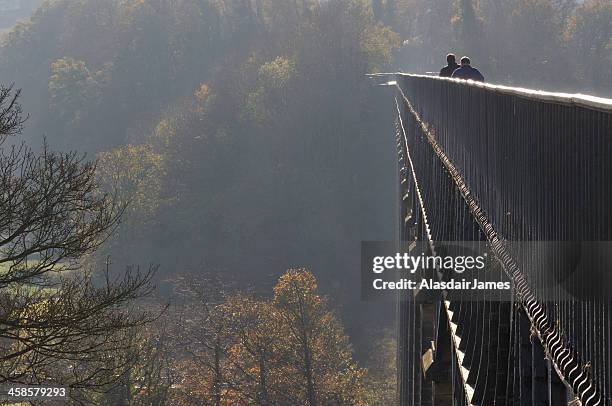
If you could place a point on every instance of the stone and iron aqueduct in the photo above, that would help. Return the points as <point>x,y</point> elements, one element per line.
<point>478,162</point>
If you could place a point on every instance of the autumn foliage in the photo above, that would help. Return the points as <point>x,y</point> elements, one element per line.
<point>287,350</point>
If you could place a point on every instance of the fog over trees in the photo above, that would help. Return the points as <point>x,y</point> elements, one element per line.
<point>228,141</point>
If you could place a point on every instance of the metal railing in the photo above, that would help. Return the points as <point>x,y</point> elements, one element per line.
<point>494,163</point>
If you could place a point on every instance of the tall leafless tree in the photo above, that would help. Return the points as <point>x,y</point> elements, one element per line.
<point>59,323</point>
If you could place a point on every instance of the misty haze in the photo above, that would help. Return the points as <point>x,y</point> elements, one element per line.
<point>186,184</point>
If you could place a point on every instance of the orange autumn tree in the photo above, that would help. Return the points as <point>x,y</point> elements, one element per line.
<point>285,351</point>
<point>315,353</point>
<point>254,358</point>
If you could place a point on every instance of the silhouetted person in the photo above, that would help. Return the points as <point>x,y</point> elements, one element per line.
<point>447,71</point>
<point>466,71</point>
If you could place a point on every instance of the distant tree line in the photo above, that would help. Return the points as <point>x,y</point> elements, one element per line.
<point>61,324</point>
<point>557,45</point>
